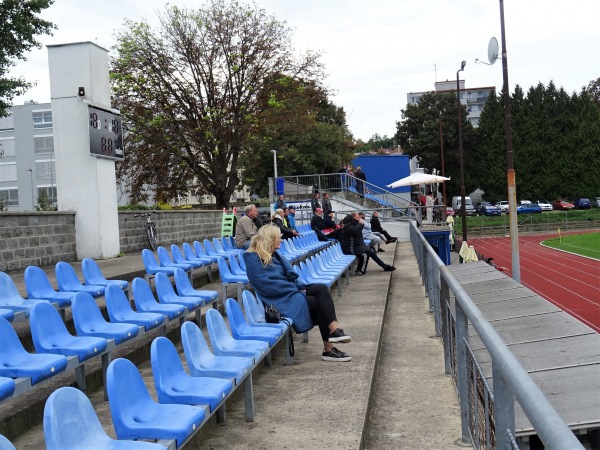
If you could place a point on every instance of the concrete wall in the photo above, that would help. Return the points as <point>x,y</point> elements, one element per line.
<point>44,238</point>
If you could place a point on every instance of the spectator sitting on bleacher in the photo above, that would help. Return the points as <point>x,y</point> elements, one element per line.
<point>330,228</point>
<point>316,224</point>
<point>368,234</point>
<point>278,220</point>
<point>246,228</point>
<point>352,242</point>
<point>291,217</point>
<point>376,228</point>
<point>276,283</point>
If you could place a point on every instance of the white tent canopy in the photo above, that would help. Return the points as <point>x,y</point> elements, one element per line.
<point>418,178</point>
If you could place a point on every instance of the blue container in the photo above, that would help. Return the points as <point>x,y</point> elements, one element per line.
<point>279,184</point>
<point>440,241</point>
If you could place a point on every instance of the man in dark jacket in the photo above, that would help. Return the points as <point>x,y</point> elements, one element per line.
<point>361,178</point>
<point>316,224</point>
<point>377,228</point>
<point>314,203</point>
<point>352,242</point>
<point>326,203</point>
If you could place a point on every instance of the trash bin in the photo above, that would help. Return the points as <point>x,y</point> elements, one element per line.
<point>440,241</point>
<point>279,186</point>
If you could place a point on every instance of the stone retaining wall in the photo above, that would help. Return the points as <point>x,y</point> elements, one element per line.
<point>44,238</point>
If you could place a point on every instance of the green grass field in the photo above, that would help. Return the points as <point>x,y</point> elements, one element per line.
<point>581,244</point>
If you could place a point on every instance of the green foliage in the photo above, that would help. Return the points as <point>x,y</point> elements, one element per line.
<point>376,143</point>
<point>135,207</point>
<point>19,25</point>
<point>44,203</point>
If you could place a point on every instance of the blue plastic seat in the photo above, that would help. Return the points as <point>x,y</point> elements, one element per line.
<point>38,287</point>
<point>15,362</point>
<point>93,275</point>
<point>235,268</point>
<point>67,281</point>
<point>218,246</point>
<point>178,258</point>
<point>242,262</point>
<point>136,415</point>
<point>227,276</point>
<point>211,251</point>
<point>7,387</point>
<point>174,385</point>
<point>202,362</point>
<point>255,314</point>
<point>165,260</point>
<point>120,311</point>
<point>89,321</point>
<point>7,314</point>
<point>167,295</point>
<point>145,301</point>
<point>10,297</point>
<point>185,288</point>
<point>70,423</point>
<point>229,246</point>
<point>50,335</point>
<point>242,331</point>
<point>201,252</point>
<point>301,276</point>
<point>5,444</point>
<point>190,255</point>
<point>224,345</point>
<point>151,266</point>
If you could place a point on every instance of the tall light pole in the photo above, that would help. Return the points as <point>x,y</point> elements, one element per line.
<point>32,189</point>
<point>510,171</point>
<point>463,209</point>
<point>275,170</point>
<point>442,158</point>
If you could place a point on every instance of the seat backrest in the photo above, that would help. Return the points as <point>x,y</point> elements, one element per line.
<point>46,326</point>
<point>235,315</point>
<point>86,313</point>
<point>117,303</point>
<point>11,348</point>
<point>177,255</point>
<point>188,251</point>
<point>163,256</point>
<point>127,394</point>
<point>71,422</point>
<point>200,251</point>
<point>242,262</point>
<point>166,365</point>
<point>195,348</point>
<point>235,266</point>
<point>217,243</point>
<point>149,260</point>
<point>209,248</point>
<point>226,243</point>
<point>253,313</point>
<point>224,270</point>
<point>92,273</point>
<point>142,294</point>
<point>164,288</point>
<point>66,278</point>
<point>183,283</point>
<point>8,289</point>
<point>37,284</point>
<point>217,329</point>
<point>5,444</point>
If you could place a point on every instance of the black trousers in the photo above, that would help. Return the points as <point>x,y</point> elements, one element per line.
<point>321,308</point>
<point>386,234</point>
<point>362,250</point>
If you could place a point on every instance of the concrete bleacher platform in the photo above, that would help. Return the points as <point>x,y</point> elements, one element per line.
<point>314,403</point>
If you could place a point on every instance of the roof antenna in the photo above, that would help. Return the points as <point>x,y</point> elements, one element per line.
<point>435,70</point>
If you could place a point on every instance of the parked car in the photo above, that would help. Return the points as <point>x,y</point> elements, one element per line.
<point>545,205</point>
<point>529,208</point>
<point>503,206</point>
<point>456,203</point>
<point>582,203</point>
<point>563,205</point>
<point>597,202</point>
<point>487,209</point>
<point>524,202</point>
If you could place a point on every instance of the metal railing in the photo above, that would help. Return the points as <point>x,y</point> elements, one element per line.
<point>485,412</point>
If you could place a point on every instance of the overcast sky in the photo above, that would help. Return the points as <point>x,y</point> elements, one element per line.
<point>377,51</point>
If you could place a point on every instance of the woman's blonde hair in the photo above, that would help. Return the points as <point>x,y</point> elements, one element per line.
<point>278,212</point>
<point>264,243</point>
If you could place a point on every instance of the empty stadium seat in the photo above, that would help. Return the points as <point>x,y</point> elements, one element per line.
<point>151,266</point>
<point>70,423</point>
<point>165,260</point>
<point>235,267</point>
<point>67,281</point>
<point>255,314</point>
<point>89,321</point>
<point>15,362</point>
<point>10,297</point>
<point>38,287</point>
<point>202,362</point>
<point>201,252</point>
<point>136,415</point>
<point>178,258</point>
<point>120,311</point>
<point>167,295</point>
<point>145,301</point>
<point>7,387</point>
<point>185,288</point>
<point>228,278</point>
<point>174,385</point>
<point>7,314</point>
<point>93,275</point>
<point>50,335</point>
<point>242,331</point>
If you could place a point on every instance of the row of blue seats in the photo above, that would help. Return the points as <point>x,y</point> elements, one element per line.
<point>302,246</point>
<point>50,335</point>
<point>185,401</point>
<point>327,267</point>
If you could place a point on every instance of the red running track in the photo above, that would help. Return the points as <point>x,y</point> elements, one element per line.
<point>569,281</point>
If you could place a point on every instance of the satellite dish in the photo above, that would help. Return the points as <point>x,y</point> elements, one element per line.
<point>493,50</point>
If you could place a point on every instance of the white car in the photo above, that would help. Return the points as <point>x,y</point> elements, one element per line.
<point>545,205</point>
<point>503,206</point>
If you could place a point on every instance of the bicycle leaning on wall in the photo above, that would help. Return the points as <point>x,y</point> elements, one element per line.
<point>150,229</point>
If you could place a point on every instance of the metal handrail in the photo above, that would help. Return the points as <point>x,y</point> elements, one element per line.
<point>511,380</point>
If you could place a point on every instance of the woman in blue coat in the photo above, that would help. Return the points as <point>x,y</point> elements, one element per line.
<point>276,283</point>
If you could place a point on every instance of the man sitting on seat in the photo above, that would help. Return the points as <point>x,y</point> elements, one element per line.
<point>377,228</point>
<point>278,219</point>
<point>368,235</point>
<point>246,228</point>
<point>316,224</point>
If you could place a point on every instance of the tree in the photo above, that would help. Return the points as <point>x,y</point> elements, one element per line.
<point>419,135</point>
<point>19,26</point>
<point>376,142</point>
<point>193,95</point>
<point>593,88</point>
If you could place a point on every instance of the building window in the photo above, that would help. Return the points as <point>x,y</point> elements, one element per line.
<point>44,170</point>
<point>49,191</point>
<point>7,147</point>
<point>9,197</point>
<point>8,172</point>
<point>7,123</point>
<point>43,144</point>
<point>42,119</point>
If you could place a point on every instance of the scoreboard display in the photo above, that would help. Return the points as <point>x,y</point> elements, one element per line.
<point>106,133</point>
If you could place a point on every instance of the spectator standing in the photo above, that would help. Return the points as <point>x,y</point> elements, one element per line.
<point>429,207</point>
<point>246,228</point>
<point>314,203</point>
<point>377,228</point>
<point>360,183</point>
<point>279,203</point>
<point>276,283</point>
<point>326,203</point>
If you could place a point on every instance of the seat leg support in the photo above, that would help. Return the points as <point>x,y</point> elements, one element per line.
<point>199,317</point>
<point>106,359</point>
<point>305,337</point>
<point>209,273</point>
<point>268,359</point>
<point>289,359</point>
<point>221,414</point>
<point>249,398</point>
<point>80,378</point>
